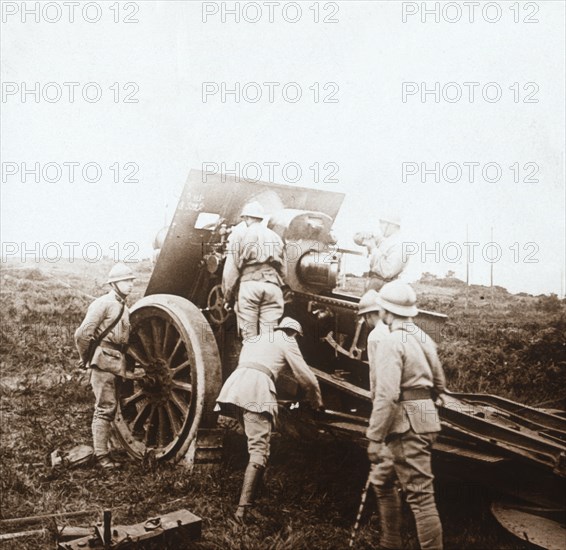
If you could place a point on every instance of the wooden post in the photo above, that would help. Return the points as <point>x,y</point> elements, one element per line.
<point>107,523</point>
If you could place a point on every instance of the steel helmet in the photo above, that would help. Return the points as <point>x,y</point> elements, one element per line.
<point>253,210</point>
<point>288,323</point>
<point>392,218</point>
<point>398,298</point>
<point>120,272</point>
<point>369,302</point>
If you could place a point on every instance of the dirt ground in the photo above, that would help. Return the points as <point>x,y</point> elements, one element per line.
<point>312,488</point>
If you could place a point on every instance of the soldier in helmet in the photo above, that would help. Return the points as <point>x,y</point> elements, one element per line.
<point>369,309</point>
<point>385,249</point>
<point>255,262</point>
<point>101,341</point>
<point>404,422</point>
<point>249,394</point>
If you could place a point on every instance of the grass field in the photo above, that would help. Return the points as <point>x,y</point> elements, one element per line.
<point>512,345</point>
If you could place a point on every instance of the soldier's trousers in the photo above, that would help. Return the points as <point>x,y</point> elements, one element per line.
<point>257,427</point>
<point>260,305</point>
<point>407,458</point>
<point>105,406</point>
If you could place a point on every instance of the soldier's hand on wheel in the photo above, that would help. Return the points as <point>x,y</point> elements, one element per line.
<point>137,374</point>
<point>374,450</point>
<point>227,306</point>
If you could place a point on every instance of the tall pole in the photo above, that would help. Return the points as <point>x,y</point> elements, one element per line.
<point>491,264</point>
<point>467,268</point>
<point>491,271</point>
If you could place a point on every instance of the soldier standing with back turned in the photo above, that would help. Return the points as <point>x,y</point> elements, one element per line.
<point>255,261</point>
<point>407,376</point>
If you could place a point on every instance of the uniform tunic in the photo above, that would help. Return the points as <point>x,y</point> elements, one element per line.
<point>402,360</point>
<point>255,259</point>
<point>250,395</point>
<point>107,362</point>
<point>387,261</point>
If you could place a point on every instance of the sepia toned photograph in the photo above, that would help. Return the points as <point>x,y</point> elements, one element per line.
<point>283,275</point>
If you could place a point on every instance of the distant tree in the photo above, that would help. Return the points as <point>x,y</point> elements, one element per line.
<point>450,274</point>
<point>427,277</point>
<point>550,304</point>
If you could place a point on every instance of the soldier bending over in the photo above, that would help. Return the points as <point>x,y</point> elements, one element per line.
<point>249,394</point>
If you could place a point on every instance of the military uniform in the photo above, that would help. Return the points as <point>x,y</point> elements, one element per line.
<point>386,262</point>
<point>406,373</point>
<point>255,260</point>
<point>249,393</point>
<point>107,362</point>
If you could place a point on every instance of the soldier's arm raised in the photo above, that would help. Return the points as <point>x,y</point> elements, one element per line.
<point>230,274</point>
<point>387,263</point>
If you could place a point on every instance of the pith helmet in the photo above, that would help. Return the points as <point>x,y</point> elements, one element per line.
<point>288,323</point>
<point>391,217</point>
<point>120,272</point>
<point>369,302</point>
<point>398,298</point>
<point>253,210</point>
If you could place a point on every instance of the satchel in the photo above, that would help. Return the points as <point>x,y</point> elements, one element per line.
<point>94,343</point>
<point>109,360</point>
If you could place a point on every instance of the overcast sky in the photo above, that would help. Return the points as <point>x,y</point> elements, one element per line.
<point>367,136</point>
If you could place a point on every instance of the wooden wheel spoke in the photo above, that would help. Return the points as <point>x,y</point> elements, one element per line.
<point>157,336</point>
<point>137,355</point>
<point>175,349</point>
<point>146,343</point>
<point>180,404</point>
<point>182,386</point>
<point>166,339</point>
<point>180,367</point>
<point>176,425</point>
<point>160,414</point>
<point>134,397</point>
<point>161,432</point>
<point>142,415</point>
<point>150,424</point>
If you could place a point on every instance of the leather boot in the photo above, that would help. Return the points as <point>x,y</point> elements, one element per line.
<point>249,486</point>
<point>429,530</point>
<point>100,436</point>
<point>389,506</point>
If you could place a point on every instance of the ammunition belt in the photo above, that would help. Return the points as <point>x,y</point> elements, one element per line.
<point>416,393</point>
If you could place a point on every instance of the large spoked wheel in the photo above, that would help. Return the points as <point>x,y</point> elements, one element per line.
<point>161,413</point>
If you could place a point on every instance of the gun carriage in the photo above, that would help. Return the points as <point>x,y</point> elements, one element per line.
<point>188,345</point>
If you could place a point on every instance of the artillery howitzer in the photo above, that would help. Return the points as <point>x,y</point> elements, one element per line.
<point>188,345</point>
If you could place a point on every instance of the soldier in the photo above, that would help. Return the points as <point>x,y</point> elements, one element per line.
<point>249,394</point>
<point>369,309</point>
<point>407,376</point>
<point>255,261</point>
<point>101,341</point>
<point>385,249</point>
